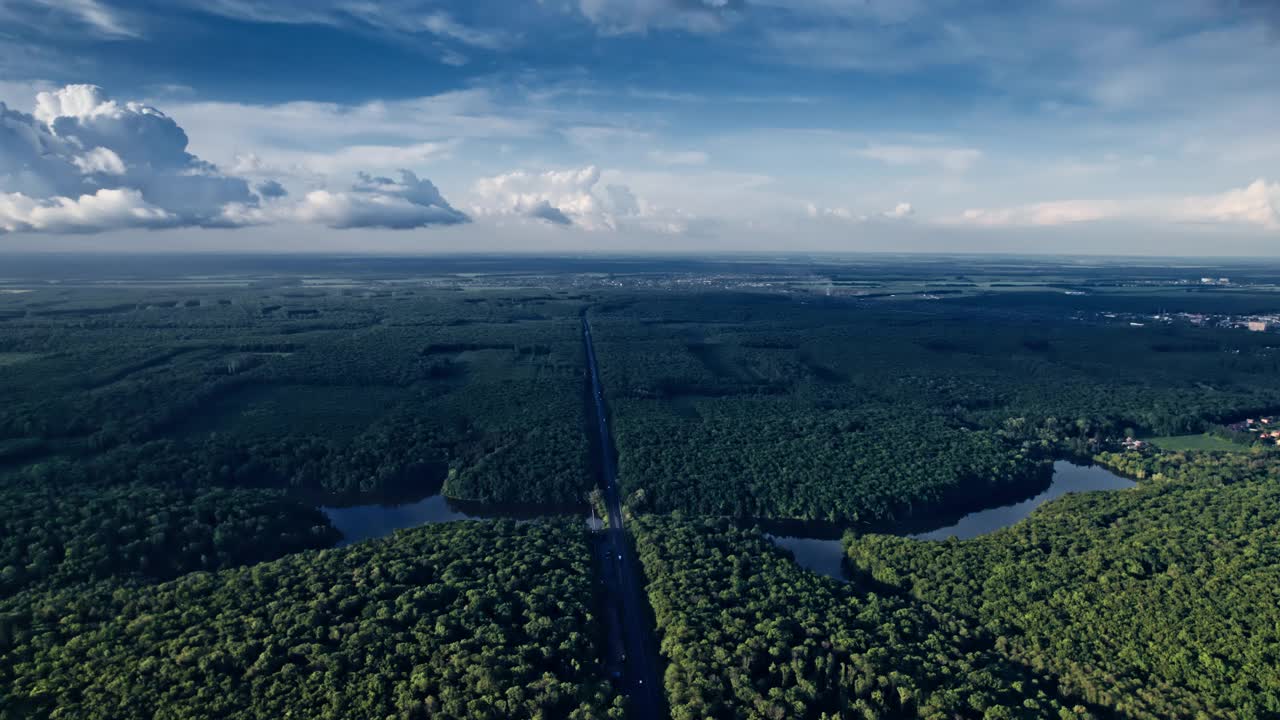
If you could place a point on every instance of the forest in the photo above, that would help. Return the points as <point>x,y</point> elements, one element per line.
<point>67,536</point>
<point>471,619</point>
<point>171,452</point>
<point>773,407</point>
<point>749,634</point>
<point>387,394</point>
<point>162,456</point>
<point>1155,602</point>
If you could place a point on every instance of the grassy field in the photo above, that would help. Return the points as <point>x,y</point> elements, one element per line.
<point>1196,442</point>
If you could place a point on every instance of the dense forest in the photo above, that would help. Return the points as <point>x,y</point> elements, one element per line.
<point>1156,602</point>
<point>470,619</point>
<point>165,449</point>
<point>766,406</point>
<point>61,537</point>
<point>749,634</point>
<point>387,394</point>
<point>149,438</point>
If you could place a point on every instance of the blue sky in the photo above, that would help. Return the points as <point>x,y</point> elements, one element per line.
<point>609,125</point>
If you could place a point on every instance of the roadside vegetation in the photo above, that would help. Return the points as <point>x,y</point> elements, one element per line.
<point>747,633</point>
<point>470,619</point>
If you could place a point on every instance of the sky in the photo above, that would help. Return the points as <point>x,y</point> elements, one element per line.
<point>1147,127</point>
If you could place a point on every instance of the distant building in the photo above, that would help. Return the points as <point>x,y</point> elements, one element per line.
<point>1258,325</point>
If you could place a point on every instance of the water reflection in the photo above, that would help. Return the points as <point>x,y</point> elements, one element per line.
<point>365,522</point>
<point>825,557</point>
<point>823,552</point>
<point>1067,478</point>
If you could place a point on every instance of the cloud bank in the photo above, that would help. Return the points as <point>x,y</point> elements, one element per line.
<point>84,163</point>
<point>1257,205</point>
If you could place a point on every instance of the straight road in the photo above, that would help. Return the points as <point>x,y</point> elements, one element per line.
<point>640,680</point>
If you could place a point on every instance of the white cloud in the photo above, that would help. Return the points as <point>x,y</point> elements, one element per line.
<point>305,133</point>
<point>442,24</point>
<point>372,202</point>
<point>1062,212</point>
<point>621,17</point>
<point>836,213</point>
<point>99,160</point>
<point>901,211</point>
<point>682,157</point>
<point>43,15</point>
<point>575,196</point>
<point>568,192</point>
<point>313,166</point>
<point>406,20</point>
<point>83,163</point>
<point>947,158</point>
<point>1257,205</point>
<point>79,142</point>
<point>103,210</point>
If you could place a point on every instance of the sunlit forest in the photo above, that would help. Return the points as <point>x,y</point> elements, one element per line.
<point>480,620</point>
<point>172,453</point>
<point>748,634</point>
<point>783,407</point>
<point>1157,602</point>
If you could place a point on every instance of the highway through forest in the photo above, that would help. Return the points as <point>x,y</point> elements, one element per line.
<point>624,588</point>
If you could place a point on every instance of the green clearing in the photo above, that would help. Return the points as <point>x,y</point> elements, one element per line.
<point>1196,442</point>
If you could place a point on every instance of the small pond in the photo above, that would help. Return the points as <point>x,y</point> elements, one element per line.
<point>825,555</point>
<point>365,522</point>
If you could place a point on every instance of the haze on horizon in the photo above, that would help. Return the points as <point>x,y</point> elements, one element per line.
<point>1057,126</point>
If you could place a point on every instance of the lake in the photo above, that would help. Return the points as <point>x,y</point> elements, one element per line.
<point>825,556</point>
<point>365,522</point>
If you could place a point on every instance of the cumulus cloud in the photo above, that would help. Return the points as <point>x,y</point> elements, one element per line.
<point>561,194</point>
<point>372,202</point>
<point>87,213</point>
<point>271,189</point>
<point>546,211</point>
<point>901,211</point>
<point>575,197</point>
<point>100,160</point>
<point>620,17</point>
<point>1257,205</point>
<point>82,162</point>
<point>79,142</point>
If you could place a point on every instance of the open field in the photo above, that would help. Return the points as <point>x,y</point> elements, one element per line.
<point>1202,441</point>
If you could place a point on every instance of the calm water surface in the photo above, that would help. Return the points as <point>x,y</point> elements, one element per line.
<point>365,522</point>
<point>825,556</point>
